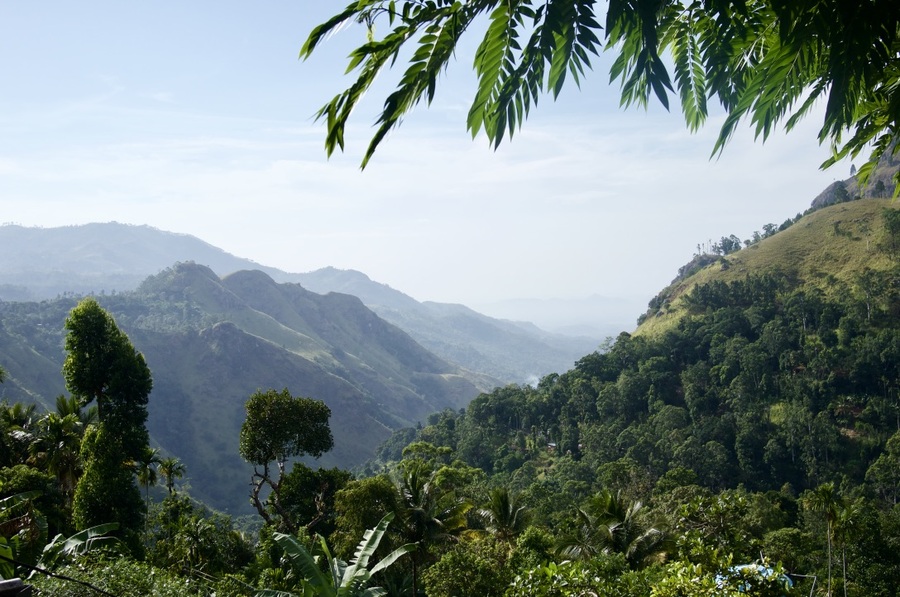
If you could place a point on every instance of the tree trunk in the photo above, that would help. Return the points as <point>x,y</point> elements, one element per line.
<point>828,530</point>
<point>844,565</point>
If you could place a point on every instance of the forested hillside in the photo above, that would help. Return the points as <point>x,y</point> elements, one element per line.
<point>765,379</point>
<point>777,364</point>
<point>211,342</point>
<point>506,350</point>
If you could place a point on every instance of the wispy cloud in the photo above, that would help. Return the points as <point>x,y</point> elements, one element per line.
<point>562,197</point>
<point>164,97</point>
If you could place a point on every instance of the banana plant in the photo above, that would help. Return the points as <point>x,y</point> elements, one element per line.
<point>22,530</point>
<point>80,543</point>
<point>341,579</point>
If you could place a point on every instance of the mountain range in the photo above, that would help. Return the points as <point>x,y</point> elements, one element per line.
<point>44,263</point>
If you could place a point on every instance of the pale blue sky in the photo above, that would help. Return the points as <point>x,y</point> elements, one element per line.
<point>195,117</point>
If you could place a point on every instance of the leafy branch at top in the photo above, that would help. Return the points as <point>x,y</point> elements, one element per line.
<point>767,61</point>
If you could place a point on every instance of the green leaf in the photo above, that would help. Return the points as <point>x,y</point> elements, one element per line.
<point>766,61</point>
<point>321,31</point>
<point>490,57</point>
<point>12,501</point>
<point>80,543</point>
<point>7,570</point>
<point>559,38</point>
<point>302,561</point>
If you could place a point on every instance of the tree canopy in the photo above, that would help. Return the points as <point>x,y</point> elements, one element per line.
<point>279,427</point>
<point>768,61</point>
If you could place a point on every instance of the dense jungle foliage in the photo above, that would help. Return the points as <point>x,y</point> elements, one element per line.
<point>749,447</point>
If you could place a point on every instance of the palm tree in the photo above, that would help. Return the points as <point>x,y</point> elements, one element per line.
<point>171,468</point>
<point>71,406</point>
<point>503,516</point>
<point>18,420</point>
<point>846,526</point>
<point>18,414</point>
<point>146,471</point>
<point>56,447</point>
<point>193,544</point>
<point>607,523</point>
<point>824,499</point>
<point>430,514</point>
<point>56,441</point>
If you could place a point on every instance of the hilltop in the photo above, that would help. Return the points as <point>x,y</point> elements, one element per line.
<point>828,249</point>
<point>511,351</point>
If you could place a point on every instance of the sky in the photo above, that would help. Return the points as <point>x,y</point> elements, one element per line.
<point>198,118</point>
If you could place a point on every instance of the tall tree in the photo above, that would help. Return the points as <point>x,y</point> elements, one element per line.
<point>145,467</point>
<point>825,499</point>
<point>767,60</point>
<point>279,427</point>
<point>102,366</point>
<point>847,523</point>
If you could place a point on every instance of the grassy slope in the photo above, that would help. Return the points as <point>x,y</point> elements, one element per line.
<point>828,246</point>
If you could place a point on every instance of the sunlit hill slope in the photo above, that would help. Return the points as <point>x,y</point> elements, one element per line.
<point>829,249</point>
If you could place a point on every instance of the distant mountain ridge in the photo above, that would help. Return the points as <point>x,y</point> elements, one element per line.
<point>44,263</point>
<point>513,351</point>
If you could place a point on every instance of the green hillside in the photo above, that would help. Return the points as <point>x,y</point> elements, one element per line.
<point>747,435</point>
<point>505,350</point>
<point>777,364</point>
